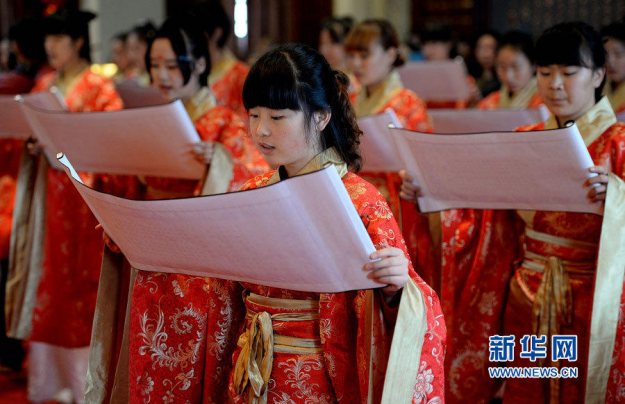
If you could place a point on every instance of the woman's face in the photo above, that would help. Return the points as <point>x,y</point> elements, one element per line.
<point>615,61</point>
<point>136,50</point>
<point>333,52</point>
<point>485,51</point>
<point>118,54</point>
<point>513,68</point>
<point>373,65</point>
<point>568,91</point>
<point>436,50</point>
<point>280,135</point>
<point>166,75</point>
<point>62,50</point>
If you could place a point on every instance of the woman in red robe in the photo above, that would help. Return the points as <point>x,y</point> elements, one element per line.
<point>72,246</point>
<point>326,346</point>
<point>179,66</point>
<point>373,54</point>
<point>551,290</point>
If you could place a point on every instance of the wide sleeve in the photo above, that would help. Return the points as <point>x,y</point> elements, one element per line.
<point>225,127</point>
<point>411,111</point>
<point>226,316</point>
<point>362,317</point>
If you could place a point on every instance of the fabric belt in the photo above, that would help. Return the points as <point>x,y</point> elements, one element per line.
<point>553,302</point>
<point>258,343</point>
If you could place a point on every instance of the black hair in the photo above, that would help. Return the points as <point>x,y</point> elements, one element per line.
<point>73,23</point>
<point>520,41</point>
<point>572,44</point>
<point>145,31</point>
<point>616,30</point>
<point>189,44</point>
<point>120,36</point>
<point>337,27</point>
<point>213,15</point>
<point>297,77</point>
<point>29,38</point>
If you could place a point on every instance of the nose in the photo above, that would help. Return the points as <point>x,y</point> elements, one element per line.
<point>556,81</point>
<point>261,127</point>
<point>163,74</point>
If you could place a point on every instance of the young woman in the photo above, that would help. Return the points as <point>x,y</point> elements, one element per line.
<point>373,54</point>
<point>334,31</point>
<point>72,247</point>
<point>514,64</point>
<point>301,119</point>
<point>482,65</point>
<point>614,44</point>
<point>227,74</point>
<point>179,65</point>
<point>136,46</point>
<point>551,289</point>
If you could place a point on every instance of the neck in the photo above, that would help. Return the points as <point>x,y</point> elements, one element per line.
<point>614,84</point>
<point>73,68</point>
<point>372,88</point>
<point>216,54</point>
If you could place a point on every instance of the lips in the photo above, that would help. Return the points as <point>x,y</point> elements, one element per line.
<point>265,148</point>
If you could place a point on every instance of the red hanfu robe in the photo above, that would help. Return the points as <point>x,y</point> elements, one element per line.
<point>226,81</point>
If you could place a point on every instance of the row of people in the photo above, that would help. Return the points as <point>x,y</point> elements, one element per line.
<point>177,70</point>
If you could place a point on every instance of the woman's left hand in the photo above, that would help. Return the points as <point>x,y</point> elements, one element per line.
<point>598,184</point>
<point>391,269</point>
<point>203,151</point>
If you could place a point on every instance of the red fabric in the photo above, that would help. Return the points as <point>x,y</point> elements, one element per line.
<point>189,354</point>
<point>67,290</point>
<point>608,150</point>
<point>228,89</point>
<point>479,250</point>
<point>10,152</point>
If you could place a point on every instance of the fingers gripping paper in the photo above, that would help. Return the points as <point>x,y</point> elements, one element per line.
<point>541,170</point>
<point>301,234</point>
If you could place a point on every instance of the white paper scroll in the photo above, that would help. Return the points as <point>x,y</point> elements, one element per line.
<point>302,234</point>
<point>541,170</point>
<point>13,123</point>
<point>377,148</point>
<point>134,95</point>
<point>481,120</point>
<point>436,81</point>
<point>155,141</point>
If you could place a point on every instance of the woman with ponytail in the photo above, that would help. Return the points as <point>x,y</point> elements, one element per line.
<point>338,348</point>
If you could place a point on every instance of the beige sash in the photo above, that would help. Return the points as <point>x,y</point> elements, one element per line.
<point>26,250</point>
<point>405,358</point>
<point>608,290</point>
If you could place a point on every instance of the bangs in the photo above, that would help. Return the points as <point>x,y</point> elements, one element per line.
<point>271,84</point>
<point>361,38</point>
<point>53,26</point>
<point>562,48</point>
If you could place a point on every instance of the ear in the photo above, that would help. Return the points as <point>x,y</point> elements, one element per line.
<point>216,35</point>
<point>78,43</point>
<point>200,65</point>
<point>597,76</point>
<point>390,55</point>
<point>321,119</point>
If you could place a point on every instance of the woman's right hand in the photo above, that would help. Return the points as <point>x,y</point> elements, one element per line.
<point>110,243</point>
<point>34,147</point>
<point>409,191</point>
